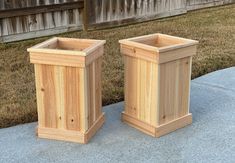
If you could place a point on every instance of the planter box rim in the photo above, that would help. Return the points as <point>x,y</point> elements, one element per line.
<point>42,47</point>
<point>133,42</point>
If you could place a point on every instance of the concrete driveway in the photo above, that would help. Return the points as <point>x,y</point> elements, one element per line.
<point>211,137</point>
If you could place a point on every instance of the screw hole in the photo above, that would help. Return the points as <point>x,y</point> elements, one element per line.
<point>71,120</point>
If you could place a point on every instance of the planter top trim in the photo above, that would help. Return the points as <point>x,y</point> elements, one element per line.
<point>67,52</point>
<point>158,42</point>
<point>67,46</point>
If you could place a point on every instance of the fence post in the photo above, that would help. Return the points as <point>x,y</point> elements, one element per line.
<point>85,15</point>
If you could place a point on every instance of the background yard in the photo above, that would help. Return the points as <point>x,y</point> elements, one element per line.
<point>213,27</point>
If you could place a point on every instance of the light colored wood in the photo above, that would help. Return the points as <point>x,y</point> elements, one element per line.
<point>55,59</point>
<point>94,128</point>
<point>177,54</point>
<point>159,130</point>
<point>173,125</point>
<point>40,105</point>
<point>94,55</point>
<point>136,123</point>
<point>140,53</point>
<point>157,82</point>
<point>169,42</point>
<point>70,135</point>
<point>141,89</point>
<point>69,99</point>
<point>61,134</point>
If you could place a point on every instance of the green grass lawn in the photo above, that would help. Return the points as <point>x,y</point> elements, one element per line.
<point>213,27</point>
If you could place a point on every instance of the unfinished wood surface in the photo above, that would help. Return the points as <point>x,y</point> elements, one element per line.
<point>59,90</point>
<point>173,125</point>
<point>142,126</point>
<point>68,95</point>
<point>54,59</point>
<point>94,128</point>
<point>141,95</point>
<point>157,82</point>
<point>60,134</point>
<point>160,130</point>
<point>67,52</point>
<point>70,135</point>
<point>174,89</point>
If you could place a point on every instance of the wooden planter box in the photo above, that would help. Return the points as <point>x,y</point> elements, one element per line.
<point>157,82</point>
<point>68,86</point>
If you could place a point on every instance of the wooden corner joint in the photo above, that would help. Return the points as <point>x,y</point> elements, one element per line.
<point>160,130</point>
<point>94,128</point>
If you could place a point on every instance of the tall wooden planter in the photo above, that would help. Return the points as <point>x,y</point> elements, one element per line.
<point>68,86</point>
<point>157,82</point>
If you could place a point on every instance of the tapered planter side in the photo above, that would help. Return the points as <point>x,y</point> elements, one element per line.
<point>157,82</point>
<point>68,87</point>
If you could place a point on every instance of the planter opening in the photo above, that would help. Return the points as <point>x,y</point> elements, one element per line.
<point>160,42</point>
<point>67,44</point>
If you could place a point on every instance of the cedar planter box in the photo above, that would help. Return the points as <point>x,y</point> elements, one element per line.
<point>68,86</point>
<point>157,82</point>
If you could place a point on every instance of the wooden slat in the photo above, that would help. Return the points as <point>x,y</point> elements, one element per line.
<point>168,92</point>
<point>177,54</point>
<point>48,94</point>
<point>40,97</point>
<point>54,59</point>
<point>131,85</point>
<point>136,52</point>
<point>72,97</point>
<point>83,91</point>
<point>41,9</point>
<point>61,134</point>
<point>60,96</point>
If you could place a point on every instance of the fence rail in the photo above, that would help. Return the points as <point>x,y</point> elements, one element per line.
<point>24,19</point>
<point>41,9</point>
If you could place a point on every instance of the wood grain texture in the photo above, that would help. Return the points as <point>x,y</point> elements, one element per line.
<point>25,19</point>
<point>70,135</point>
<point>69,99</point>
<point>157,86</point>
<point>141,94</point>
<point>173,125</point>
<point>19,19</point>
<point>142,126</point>
<point>174,89</point>
<point>109,10</point>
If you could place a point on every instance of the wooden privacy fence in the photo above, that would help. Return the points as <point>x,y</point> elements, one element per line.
<point>24,19</point>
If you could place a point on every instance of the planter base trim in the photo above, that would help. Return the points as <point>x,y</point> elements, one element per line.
<point>69,135</point>
<point>159,130</point>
